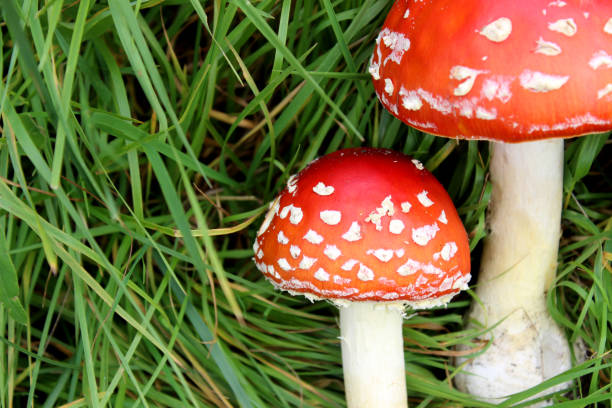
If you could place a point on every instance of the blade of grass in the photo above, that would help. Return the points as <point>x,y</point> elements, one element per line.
<point>253,14</point>
<point>26,52</point>
<point>71,64</point>
<point>91,389</point>
<point>9,289</point>
<point>232,376</point>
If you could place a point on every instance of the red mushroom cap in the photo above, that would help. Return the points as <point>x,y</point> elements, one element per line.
<point>364,224</point>
<point>506,70</point>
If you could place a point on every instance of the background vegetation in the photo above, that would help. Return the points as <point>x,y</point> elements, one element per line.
<point>141,141</point>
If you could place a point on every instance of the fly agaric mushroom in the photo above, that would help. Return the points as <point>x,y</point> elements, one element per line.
<point>372,231</point>
<point>507,71</point>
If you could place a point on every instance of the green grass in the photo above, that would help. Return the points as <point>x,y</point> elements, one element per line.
<point>140,144</point>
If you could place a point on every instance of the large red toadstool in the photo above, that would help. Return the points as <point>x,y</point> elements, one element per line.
<point>516,73</point>
<point>372,231</point>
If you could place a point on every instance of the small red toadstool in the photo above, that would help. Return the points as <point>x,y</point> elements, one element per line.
<point>508,71</point>
<point>372,231</point>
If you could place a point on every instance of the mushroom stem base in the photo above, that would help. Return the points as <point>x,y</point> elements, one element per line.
<point>525,350</point>
<point>518,268</point>
<point>373,355</point>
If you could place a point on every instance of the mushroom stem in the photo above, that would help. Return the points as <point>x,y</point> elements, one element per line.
<point>373,355</point>
<point>518,267</point>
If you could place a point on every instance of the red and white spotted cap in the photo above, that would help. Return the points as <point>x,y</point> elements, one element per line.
<point>365,224</point>
<point>506,70</point>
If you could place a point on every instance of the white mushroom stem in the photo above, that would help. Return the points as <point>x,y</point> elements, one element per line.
<point>373,355</point>
<point>518,267</point>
